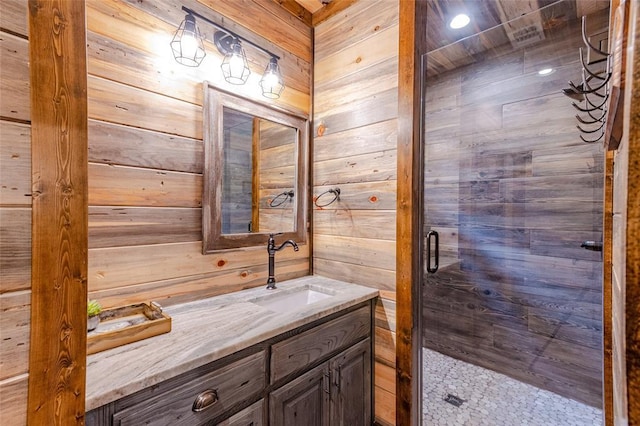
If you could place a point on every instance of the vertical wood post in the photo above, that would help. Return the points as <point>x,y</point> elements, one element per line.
<point>412,44</point>
<point>58,74</point>
<point>607,343</point>
<point>632,290</point>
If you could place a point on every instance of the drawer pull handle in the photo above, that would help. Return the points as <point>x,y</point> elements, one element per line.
<point>205,400</point>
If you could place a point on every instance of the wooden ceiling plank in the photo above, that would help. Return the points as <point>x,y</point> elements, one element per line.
<point>521,19</point>
<point>509,10</point>
<point>333,8</point>
<point>297,10</point>
<point>587,7</point>
<point>311,5</point>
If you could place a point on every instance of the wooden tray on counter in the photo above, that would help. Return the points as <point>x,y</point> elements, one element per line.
<point>127,324</point>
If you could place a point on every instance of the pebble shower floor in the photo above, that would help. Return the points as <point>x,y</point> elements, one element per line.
<point>492,399</point>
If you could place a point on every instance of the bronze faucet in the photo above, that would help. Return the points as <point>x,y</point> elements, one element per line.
<point>271,249</point>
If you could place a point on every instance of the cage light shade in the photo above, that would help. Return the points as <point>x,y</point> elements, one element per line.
<point>187,44</point>
<point>235,66</point>
<point>272,83</point>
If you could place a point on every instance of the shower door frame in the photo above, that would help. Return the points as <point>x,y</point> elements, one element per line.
<point>411,50</point>
<point>410,209</point>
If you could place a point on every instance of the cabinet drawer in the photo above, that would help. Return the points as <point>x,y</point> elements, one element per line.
<point>297,352</point>
<point>232,384</point>
<point>250,416</point>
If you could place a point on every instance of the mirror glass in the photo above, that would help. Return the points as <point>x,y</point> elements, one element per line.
<point>258,179</point>
<point>254,172</point>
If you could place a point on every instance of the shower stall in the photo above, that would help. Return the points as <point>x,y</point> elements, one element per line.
<point>511,302</point>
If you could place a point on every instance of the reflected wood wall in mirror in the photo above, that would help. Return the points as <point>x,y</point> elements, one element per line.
<point>255,172</point>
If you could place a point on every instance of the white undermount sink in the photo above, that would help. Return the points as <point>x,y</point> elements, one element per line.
<point>290,300</point>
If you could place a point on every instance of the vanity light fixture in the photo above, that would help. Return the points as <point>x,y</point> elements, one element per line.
<point>271,82</point>
<point>187,46</point>
<point>459,21</point>
<point>235,66</point>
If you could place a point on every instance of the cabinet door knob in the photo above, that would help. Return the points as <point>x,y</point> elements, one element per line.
<point>205,400</point>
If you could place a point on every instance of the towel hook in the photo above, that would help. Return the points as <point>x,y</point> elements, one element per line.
<point>585,39</point>
<point>336,196</point>
<point>281,198</point>
<point>600,81</point>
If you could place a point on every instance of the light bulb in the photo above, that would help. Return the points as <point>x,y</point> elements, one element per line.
<point>459,21</point>
<point>271,83</point>
<point>270,80</point>
<point>189,45</point>
<point>236,65</point>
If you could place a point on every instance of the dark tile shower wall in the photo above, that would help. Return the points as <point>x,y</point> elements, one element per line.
<point>513,192</point>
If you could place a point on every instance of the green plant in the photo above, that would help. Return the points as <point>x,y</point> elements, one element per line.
<point>93,308</point>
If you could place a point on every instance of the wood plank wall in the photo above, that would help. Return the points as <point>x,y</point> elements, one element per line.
<point>146,150</point>
<point>355,128</point>
<point>626,237</point>
<point>513,192</point>
<point>15,212</point>
<point>145,162</point>
<point>632,296</point>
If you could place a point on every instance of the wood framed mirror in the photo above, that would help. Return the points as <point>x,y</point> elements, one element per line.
<point>255,172</point>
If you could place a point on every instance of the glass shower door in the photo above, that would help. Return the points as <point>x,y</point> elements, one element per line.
<point>512,304</point>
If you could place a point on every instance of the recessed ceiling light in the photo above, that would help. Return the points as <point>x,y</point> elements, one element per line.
<point>545,71</point>
<point>459,21</point>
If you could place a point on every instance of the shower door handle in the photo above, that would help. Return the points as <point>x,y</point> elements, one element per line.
<point>592,245</point>
<point>433,235</point>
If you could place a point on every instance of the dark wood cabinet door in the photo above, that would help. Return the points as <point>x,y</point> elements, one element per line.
<point>351,386</point>
<point>303,401</point>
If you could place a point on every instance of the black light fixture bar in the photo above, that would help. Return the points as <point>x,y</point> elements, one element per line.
<point>231,33</point>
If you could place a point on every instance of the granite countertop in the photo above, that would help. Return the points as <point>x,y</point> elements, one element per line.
<point>207,330</point>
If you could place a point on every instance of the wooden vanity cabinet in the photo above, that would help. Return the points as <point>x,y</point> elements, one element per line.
<point>337,392</point>
<point>318,374</point>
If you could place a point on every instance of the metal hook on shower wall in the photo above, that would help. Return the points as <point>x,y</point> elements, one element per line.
<point>584,90</point>
<point>586,68</point>
<point>586,41</point>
